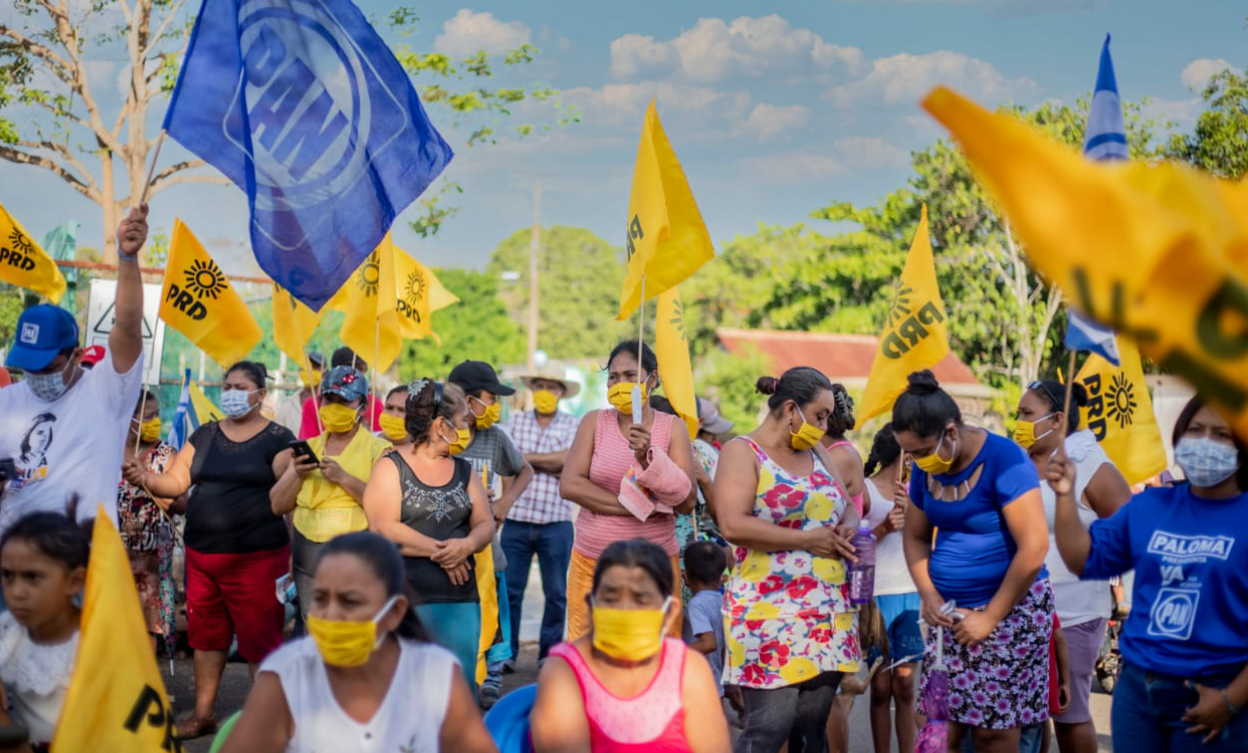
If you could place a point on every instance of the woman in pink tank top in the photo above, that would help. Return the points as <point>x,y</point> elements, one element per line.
<point>625,688</point>
<point>611,458</point>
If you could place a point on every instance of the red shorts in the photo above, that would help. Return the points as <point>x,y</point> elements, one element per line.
<point>234,594</point>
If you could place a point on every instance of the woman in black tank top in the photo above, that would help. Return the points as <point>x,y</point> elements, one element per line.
<point>435,510</point>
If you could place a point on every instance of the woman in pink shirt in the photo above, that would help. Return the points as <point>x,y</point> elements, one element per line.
<point>624,688</point>
<point>651,460</point>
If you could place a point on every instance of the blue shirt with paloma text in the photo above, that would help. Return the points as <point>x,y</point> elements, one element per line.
<point>1189,609</point>
<point>974,547</point>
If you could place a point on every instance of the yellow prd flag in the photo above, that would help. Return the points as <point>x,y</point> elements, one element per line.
<point>24,264</point>
<point>205,411</point>
<point>672,350</point>
<point>199,302</point>
<point>371,327</point>
<point>293,325</point>
<point>666,238</point>
<point>419,295</point>
<point>915,336</point>
<point>116,699</point>
<point>487,592</point>
<point>1120,413</point>
<point>1159,253</point>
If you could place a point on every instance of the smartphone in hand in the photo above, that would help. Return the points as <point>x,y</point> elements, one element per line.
<point>303,451</point>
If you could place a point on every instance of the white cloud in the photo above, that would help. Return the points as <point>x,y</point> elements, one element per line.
<point>906,78</point>
<point>871,153</point>
<point>1197,73</point>
<point>616,104</point>
<point>789,168</point>
<point>468,32</point>
<point>714,50</point>
<point>766,122</point>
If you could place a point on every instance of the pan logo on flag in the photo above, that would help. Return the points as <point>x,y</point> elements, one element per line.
<point>310,95</point>
<point>205,279</point>
<point>369,277</point>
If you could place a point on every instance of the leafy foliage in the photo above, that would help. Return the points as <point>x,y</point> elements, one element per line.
<point>478,328</point>
<point>1217,144</point>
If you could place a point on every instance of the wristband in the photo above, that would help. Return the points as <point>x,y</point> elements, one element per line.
<point>1227,698</point>
<point>132,258</point>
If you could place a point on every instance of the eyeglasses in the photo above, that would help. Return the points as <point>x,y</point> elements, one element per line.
<point>1056,401</point>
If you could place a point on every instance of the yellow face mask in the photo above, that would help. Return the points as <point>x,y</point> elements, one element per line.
<point>621,396</point>
<point>346,643</point>
<point>462,438</point>
<point>1025,432</point>
<point>338,418</point>
<point>393,427</point>
<point>545,402</point>
<point>934,464</point>
<point>806,436</point>
<point>490,416</point>
<point>149,431</point>
<point>629,634</point>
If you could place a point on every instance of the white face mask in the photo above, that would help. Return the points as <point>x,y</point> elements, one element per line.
<point>236,403</point>
<point>50,387</point>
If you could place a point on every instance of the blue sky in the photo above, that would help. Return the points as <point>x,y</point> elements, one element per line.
<point>775,109</point>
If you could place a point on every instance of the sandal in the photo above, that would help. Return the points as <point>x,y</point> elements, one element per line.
<point>195,726</point>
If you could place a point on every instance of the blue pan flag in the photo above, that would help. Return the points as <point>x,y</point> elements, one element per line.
<point>1105,139</point>
<point>304,107</point>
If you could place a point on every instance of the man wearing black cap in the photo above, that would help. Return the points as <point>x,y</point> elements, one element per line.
<point>506,474</point>
<point>63,426</point>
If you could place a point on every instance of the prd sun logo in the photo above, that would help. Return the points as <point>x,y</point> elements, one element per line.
<point>901,304</point>
<point>678,319</point>
<point>1121,399</point>
<point>205,279</point>
<point>369,277</point>
<point>414,291</point>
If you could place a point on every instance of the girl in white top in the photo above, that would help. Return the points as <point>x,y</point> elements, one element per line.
<point>43,565</point>
<point>1082,606</point>
<point>895,595</point>
<point>365,679</point>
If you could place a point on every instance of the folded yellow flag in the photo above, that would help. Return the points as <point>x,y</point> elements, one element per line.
<point>293,325</point>
<point>116,699</point>
<point>369,298</point>
<point>420,293</point>
<point>915,335</point>
<point>672,350</point>
<point>199,302</point>
<point>1120,413</point>
<point>1157,252</point>
<point>24,264</point>
<point>666,238</point>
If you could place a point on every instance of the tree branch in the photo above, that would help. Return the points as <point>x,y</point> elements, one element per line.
<point>60,67</point>
<point>47,163</point>
<point>66,154</point>
<point>170,15</point>
<point>178,174</point>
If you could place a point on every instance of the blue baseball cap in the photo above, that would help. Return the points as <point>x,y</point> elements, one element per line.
<point>345,382</point>
<point>43,331</point>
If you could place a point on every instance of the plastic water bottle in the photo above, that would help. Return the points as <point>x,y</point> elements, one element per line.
<point>862,572</point>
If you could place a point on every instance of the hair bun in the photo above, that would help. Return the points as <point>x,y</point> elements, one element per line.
<point>1078,395</point>
<point>922,383</point>
<point>767,385</point>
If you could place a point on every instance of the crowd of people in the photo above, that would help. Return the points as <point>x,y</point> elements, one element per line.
<point>697,590</point>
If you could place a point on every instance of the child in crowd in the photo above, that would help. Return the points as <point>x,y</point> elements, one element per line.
<point>704,620</point>
<point>43,565</point>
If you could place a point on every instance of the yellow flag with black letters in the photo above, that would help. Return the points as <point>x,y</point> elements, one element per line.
<point>24,264</point>
<point>672,349</point>
<point>666,239</point>
<point>915,334</point>
<point>1120,413</point>
<point>116,698</point>
<point>197,300</point>
<point>293,325</point>
<point>368,297</point>
<point>420,294</point>
<point>1158,253</point>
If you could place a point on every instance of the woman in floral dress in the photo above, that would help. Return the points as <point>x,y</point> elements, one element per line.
<point>146,528</point>
<point>790,624</point>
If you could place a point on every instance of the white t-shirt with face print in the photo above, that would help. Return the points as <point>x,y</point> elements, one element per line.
<point>71,446</point>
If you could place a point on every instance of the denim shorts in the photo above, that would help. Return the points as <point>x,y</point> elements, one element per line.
<point>900,613</point>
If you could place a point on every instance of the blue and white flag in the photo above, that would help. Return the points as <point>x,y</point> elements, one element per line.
<point>304,107</point>
<point>185,420</point>
<point>1105,139</point>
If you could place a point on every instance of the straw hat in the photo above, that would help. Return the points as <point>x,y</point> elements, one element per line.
<point>554,372</point>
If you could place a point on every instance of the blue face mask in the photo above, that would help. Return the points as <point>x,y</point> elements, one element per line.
<point>235,403</point>
<point>1205,461</point>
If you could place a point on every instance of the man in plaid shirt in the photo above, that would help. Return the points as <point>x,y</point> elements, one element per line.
<point>540,521</point>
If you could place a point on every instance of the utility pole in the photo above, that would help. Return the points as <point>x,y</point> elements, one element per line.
<point>534,245</point>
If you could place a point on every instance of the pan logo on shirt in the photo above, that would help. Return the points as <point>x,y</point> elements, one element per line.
<point>1174,613</point>
<point>32,463</point>
<point>1173,546</point>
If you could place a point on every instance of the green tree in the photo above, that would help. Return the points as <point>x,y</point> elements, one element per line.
<point>477,327</point>
<point>1219,143</point>
<point>579,280</point>
<point>728,381</point>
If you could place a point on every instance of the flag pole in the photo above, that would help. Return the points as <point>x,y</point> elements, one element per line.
<point>641,333</point>
<point>138,435</point>
<point>1070,386</point>
<point>160,140</point>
